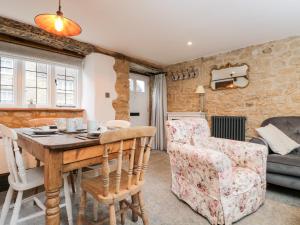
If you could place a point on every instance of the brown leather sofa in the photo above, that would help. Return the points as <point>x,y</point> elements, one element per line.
<point>284,170</point>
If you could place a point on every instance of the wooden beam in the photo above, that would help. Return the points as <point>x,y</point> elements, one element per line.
<point>31,44</point>
<point>31,34</point>
<point>128,58</point>
<point>34,34</point>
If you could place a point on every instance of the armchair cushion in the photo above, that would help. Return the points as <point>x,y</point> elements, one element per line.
<point>243,154</point>
<point>208,170</point>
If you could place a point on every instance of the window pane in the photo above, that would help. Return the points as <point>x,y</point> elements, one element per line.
<point>30,95</point>
<point>66,86</point>
<point>36,83</point>
<point>131,85</point>
<point>6,80</point>
<point>6,62</point>
<point>30,79</point>
<point>7,96</point>
<point>140,86</point>
<point>41,81</point>
<point>69,85</point>
<point>41,96</point>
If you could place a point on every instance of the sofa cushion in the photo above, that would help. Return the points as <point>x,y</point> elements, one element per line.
<point>278,141</point>
<point>287,164</point>
<point>290,125</point>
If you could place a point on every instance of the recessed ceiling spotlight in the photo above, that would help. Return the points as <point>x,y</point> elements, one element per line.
<point>190,43</point>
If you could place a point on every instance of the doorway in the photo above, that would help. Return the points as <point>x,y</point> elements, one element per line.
<point>139,99</point>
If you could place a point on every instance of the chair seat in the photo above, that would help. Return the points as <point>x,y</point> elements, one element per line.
<point>94,186</point>
<point>243,180</point>
<point>35,178</point>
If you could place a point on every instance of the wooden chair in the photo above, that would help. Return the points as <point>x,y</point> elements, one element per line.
<point>21,180</point>
<point>111,124</point>
<point>117,124</point>
<point>117,186</point>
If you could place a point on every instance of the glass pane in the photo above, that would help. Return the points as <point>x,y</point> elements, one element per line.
<point>60,85</point>
<point>30,95</point>
<point>65,86</point>
<point>7,79</point>
<point>131,85</point>
<point>6,62</point>
<point>42,68</point>
<point>42,96</point>
<point>7,95</point>
<point>30,66</point>
<point>70,85</point>
<point>7,71</point>
<point>69,99</point>
<point>140,86</point>
<point>30,79</point>
<point>60,98</point>
<point>41,81</point>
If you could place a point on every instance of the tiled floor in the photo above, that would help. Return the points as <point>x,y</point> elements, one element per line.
<point>281,208</point>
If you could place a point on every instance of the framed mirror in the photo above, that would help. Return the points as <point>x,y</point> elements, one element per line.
<point>229,77</point>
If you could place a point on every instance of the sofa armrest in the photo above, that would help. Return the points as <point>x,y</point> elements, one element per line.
<point>243,154</point>
<point>208,170</point>
<point>259,140</point>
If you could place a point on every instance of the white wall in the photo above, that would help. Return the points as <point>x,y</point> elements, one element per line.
<point>98,77</point>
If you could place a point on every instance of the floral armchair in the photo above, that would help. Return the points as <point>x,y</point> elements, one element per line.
<point>223,180</point>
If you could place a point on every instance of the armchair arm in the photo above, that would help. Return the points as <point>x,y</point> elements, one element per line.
<point>243,154</point>
<point>208,170</point>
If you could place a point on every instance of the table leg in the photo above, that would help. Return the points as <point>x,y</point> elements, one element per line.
<point>53,184</point>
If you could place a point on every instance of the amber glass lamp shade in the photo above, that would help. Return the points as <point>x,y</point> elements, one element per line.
<point>57,24</point>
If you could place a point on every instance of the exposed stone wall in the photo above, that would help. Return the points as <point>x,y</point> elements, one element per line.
<point>121,104</point>
<point>274,88</point>
<point>16,118</point>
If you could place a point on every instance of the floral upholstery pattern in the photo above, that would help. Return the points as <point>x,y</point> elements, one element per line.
<point>223,180</point>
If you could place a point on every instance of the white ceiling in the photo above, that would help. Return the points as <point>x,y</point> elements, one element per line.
<point>158,30</point>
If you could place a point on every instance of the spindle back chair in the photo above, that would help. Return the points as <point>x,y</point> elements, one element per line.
<point>116,186</point>
<point>21,180</point>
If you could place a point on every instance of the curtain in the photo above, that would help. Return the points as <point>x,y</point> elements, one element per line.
<point>159,111</point>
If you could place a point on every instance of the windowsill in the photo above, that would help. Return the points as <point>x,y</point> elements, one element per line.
<point>41,109</point>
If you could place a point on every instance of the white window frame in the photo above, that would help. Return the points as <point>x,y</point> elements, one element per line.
<point>15,82</point>
<point>77,91</point>
<point>23,89</point>
<point>19,83</point>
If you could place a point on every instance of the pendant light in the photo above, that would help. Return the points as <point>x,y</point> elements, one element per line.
<point>57,24</point>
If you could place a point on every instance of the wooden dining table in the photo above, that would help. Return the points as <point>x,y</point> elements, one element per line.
<point>62,153</point>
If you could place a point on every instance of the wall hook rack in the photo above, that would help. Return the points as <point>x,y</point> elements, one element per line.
<point>185,74</point>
